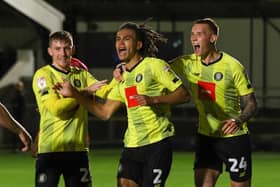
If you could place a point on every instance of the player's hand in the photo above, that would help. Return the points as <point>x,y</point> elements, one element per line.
<point>117,73</point>
<point>230,126</point>
<point>64,88</point>
<point>26,139</point>
<point>96,86</point>
<point>34,150</point>
<point>144,100</point>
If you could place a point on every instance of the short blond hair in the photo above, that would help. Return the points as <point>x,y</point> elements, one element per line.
<point>61,35</point>
<point>211,23</point>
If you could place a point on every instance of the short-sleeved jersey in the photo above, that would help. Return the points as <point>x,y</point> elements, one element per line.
<point>146,124</point>
<point>216,89</point>
<point>63,122</point>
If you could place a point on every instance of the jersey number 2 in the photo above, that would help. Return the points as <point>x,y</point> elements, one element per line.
<point>158,173</point>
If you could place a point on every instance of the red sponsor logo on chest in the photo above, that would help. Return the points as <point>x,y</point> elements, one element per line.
<point>206,90</point>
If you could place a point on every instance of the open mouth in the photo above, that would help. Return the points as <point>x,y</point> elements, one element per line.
<point>122,49</point>
<point>196,48</point>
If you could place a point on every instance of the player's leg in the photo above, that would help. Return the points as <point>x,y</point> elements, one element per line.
<point>130,168</point>
<point>206,177</point>
<point>158,160</point>
<point>47,171</point>
<point>207,165</point>
<point>123,182</point>
<point>246,183</point>
<point>76,170</point>
<point>236,153</point>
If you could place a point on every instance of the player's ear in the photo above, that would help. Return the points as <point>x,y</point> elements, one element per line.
<point>213,38</point>
<point>139,45</point>
<point>73,50</point>
<point>50,51</point>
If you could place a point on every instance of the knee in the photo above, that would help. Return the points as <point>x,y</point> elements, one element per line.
<point>206,177</point>
<point>122,182</point>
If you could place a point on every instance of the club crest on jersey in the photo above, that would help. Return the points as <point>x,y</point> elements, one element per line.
<point>77,83</point>
<point>139,78</point>
<point>218,76</point>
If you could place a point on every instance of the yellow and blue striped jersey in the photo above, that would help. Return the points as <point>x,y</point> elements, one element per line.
<point>146,124</point>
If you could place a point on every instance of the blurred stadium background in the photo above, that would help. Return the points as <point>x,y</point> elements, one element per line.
<point>250,31</point>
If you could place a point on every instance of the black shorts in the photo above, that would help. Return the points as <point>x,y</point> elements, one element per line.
<point>234,152</point>
<point>74,166</point>
<point>147,165</point>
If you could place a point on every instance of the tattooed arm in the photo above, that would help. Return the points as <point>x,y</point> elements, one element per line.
<point>250,108</point>
<point>231,126</point>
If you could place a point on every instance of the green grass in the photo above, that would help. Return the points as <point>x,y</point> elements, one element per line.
<point>18,169</point>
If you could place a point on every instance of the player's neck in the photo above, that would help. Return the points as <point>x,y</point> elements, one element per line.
<point>60,68</point>
<point>134,61</point>
<point>211,57</point>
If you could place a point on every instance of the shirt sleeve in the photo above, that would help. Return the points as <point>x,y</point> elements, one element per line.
<point>115,94</point>
<point>166,76</point>
<point>177,65</point>
<point>105,90</point>
<point>241,81</point>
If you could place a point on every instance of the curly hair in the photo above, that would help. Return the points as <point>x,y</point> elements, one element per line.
<point>147,36</point>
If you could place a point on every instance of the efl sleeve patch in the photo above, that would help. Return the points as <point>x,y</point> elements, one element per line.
<point>42,85</point>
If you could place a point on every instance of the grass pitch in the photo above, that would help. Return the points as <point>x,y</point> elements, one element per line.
<point>18,169</point>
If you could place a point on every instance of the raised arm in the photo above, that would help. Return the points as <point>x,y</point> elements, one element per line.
<point>180,95</point>
<point>7,121</point>
<point>104,111</point>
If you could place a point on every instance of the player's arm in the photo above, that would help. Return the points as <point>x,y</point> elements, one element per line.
<point>7,121</point>
<point>56,104</point>
<point>177,65</point>
<point>103,111</point>
<point>165,76</point>
<point>247,97</point>
<point>103,89</point>
<point>180,95</point>
<point>249,111</point>
<point>61,107</point>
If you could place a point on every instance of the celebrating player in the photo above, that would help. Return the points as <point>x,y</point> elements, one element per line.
<point>63,135</point>
<point>218,82</point>
<point>148,89</point>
